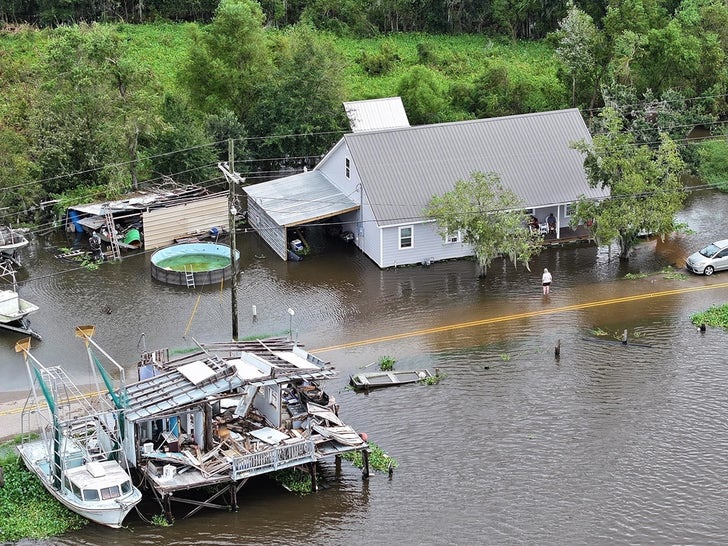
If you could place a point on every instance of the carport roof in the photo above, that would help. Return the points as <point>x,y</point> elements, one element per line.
<point>300,199</point>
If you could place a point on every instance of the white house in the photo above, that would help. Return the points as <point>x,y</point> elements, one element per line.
<point>378,181</point>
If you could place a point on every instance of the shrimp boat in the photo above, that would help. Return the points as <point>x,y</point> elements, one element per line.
<point>78,457</point>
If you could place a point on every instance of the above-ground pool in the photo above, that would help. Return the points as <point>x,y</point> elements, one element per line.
<point>192,264</point>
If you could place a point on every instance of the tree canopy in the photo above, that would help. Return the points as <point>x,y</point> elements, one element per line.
<point>488,217</point>
<point>645,185</point>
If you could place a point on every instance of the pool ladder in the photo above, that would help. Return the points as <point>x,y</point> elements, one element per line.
<point>190,277</point>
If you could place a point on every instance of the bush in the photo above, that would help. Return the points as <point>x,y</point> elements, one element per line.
<point>386,363</point>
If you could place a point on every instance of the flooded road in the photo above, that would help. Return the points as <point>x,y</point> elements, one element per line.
<point>608,444</point>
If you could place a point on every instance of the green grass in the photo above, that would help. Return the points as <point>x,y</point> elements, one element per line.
<point>162,48</point>
<point>27,510</point>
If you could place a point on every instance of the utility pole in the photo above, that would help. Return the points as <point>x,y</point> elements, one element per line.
<point>232,211</point>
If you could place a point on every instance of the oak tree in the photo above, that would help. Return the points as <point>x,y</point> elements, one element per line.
<point>489,217</point>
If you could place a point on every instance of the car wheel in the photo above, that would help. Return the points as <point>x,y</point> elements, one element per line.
<point>709,270</point>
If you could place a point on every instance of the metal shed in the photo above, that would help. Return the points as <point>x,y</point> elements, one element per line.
<point>275,206</point>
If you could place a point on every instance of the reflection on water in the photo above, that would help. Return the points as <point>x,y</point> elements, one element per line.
<point>611,443</point>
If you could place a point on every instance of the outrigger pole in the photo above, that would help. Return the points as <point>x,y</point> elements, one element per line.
<point>37,369</point>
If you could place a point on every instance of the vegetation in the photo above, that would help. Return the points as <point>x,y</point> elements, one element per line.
<point>160,520</point>
<point>27,510</point>
<point>294,480</point>
<point>644,184</point>
<point>432,379</point>
<point>488,217</point>
<point>378,459</point>
<point>91,110</point>
<point>633,276</point>
<point>386,363</point>
<point>716,315</point>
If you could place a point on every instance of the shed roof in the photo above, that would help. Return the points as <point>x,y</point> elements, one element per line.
<point>301,198</point>
<point>402,169</point>
<point>374,114</point>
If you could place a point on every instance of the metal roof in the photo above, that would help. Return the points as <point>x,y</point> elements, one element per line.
<point>220,368</point>
<point>374,114</point>
<point>299,199</point>
<point>402,169</point>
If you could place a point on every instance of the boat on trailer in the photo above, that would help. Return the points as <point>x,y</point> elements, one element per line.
<point>372,380</point>
<point>78,457</point>
<point>11,241</point>
<point>14,313</point>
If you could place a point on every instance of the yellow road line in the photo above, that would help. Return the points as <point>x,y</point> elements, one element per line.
<point>492,320</point>
<point>517,316</point>
<point>38,406</point>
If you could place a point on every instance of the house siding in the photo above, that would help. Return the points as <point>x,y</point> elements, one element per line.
<point>162,226</point>
<point>428,246</point>
<point>362,223</point>
<point>267,228</point>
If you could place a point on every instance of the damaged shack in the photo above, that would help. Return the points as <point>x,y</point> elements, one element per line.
<point>226,413</point>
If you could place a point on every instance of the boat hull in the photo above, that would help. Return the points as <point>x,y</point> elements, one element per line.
<point>110,513</point>
<point>373,380</point>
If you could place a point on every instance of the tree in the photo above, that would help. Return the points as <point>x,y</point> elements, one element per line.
<point>228,60</point>
<point>300,112</point>
<point>92,108</point>
<point>422,95</point>
<point>489,218</point>
<point>578,46</point>
<point>645,187</point>
<point>181,150</point>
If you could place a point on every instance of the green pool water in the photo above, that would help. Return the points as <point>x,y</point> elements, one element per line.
<point>194,262</point>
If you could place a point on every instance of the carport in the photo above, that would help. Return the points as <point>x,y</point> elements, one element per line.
<point>276,206</point>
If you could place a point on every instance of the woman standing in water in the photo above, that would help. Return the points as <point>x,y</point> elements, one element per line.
<point>546,281</point>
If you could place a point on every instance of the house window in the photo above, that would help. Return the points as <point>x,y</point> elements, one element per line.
<point>273,397</point>
<point>348,168</point>
<point>453,237</point>
<point>570,209</point>
<point>405,237</point>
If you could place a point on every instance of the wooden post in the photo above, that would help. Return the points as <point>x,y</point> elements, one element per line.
<point>233,497</point>
<point>365,459</point>
<point>557,350</point>
<point>314,481</point>
<point>168,509</point>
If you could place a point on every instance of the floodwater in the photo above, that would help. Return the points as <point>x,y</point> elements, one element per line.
<point>609,444</point>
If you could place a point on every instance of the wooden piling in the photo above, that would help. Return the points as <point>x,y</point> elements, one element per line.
<point>557,350</point>
<point>365,460</point>
<point>167,501</point>
<point>314,481</point>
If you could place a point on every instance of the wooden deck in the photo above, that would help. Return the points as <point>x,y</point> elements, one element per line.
<point>568,235</point>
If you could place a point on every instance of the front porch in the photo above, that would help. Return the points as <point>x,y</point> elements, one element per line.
<point>568,235</point>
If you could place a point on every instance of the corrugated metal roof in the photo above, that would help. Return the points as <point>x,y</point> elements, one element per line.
<point>220,368</point>
<point>300,198</point>
<point>402,169</point>
<point>375,114</point>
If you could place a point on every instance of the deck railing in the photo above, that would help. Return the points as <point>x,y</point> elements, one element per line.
<point>272,459</point>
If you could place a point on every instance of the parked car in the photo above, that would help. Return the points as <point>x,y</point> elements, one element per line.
<point>713,257</point>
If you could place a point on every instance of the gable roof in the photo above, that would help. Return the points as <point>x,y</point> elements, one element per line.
<point>402,169</point>
<point>374,114</point>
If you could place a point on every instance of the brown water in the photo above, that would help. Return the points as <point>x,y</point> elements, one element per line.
<point>611,444</point>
